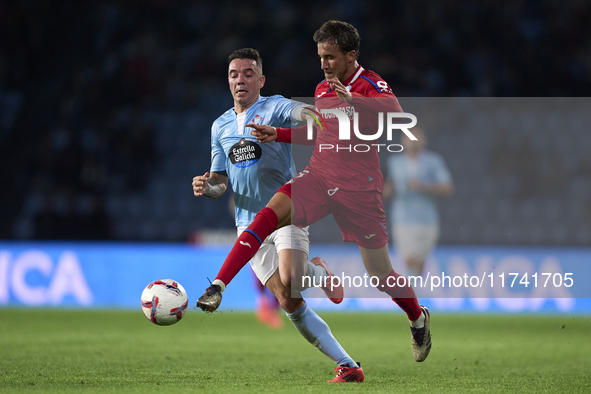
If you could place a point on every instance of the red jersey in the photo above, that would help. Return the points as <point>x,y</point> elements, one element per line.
<point>353,164</point>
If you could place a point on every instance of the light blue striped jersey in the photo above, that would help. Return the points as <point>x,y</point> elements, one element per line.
<point>255,170</point>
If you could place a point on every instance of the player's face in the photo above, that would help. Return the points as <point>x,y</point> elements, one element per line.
<point>246,81</point>
<point>334,62</point>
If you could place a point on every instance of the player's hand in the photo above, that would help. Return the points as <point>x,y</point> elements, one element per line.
<point>262,132</point>
<point>340,89</point>
<point>200,184</point>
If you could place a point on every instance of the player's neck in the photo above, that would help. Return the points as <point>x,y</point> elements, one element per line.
<point>238,108</point>
<point>350,71</point>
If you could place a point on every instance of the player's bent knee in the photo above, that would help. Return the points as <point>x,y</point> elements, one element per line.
<point>298,284</point>
<point>286,282</point>
<point>289,304</point>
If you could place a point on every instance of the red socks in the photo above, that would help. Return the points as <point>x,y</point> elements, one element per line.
<point>265,223</point>
<point>248,244</point>
<point>404,296</point>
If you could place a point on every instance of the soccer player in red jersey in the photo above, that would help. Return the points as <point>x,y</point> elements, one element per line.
<point>343,182</point>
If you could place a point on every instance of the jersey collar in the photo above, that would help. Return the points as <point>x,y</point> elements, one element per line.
<point>248,109</point>
<point>349,81</point>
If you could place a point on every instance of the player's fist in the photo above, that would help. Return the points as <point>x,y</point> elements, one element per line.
<point>262,132</point>
<point>200,184</point>
<point>341,90</point>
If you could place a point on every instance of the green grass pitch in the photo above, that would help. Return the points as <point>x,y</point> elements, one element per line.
<point>120,351</point>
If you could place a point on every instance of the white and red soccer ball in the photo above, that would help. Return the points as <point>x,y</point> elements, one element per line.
<point>164,302</point>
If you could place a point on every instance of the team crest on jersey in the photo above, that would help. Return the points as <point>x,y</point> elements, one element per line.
<point>245,153</point>
<point>257,119</point>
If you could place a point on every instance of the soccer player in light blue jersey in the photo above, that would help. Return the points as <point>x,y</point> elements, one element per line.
<point>416,179</point>
<point>256,171</point>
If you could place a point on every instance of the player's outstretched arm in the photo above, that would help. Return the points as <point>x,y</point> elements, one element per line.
<point>211,185</point>
<point>302,113</point>
<point>298,135</point>
<point>262,132</point>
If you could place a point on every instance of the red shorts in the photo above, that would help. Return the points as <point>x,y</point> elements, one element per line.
<point>359,214</point>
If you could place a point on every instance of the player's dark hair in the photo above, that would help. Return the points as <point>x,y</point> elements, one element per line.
<point>339,33</point>
<point>247,53</point>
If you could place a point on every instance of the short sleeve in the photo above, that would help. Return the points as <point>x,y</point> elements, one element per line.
<point>380,88</point>
<point>218,158</point>
<point>286,110</point>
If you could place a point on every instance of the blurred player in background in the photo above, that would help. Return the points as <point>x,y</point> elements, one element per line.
<point>256,171</point>
<point>416,178</point>
<point>343,183</point>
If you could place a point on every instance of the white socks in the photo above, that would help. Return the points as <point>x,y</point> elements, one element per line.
<point>219,283</point>
<point>420,322</point>
<point>316,274</point>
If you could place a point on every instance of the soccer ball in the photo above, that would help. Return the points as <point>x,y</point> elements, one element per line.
<point>164,302</point>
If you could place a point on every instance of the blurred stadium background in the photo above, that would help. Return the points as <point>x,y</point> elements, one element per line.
<point>106,108</point>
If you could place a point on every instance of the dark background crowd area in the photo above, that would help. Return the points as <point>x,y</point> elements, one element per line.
<point>106,106</point>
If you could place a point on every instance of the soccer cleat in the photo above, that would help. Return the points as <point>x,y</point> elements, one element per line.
<point>335,294</point>
<point>348,374</point>
<point>267,314</point>
<point>421,338</point>
<point>211,299</point>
